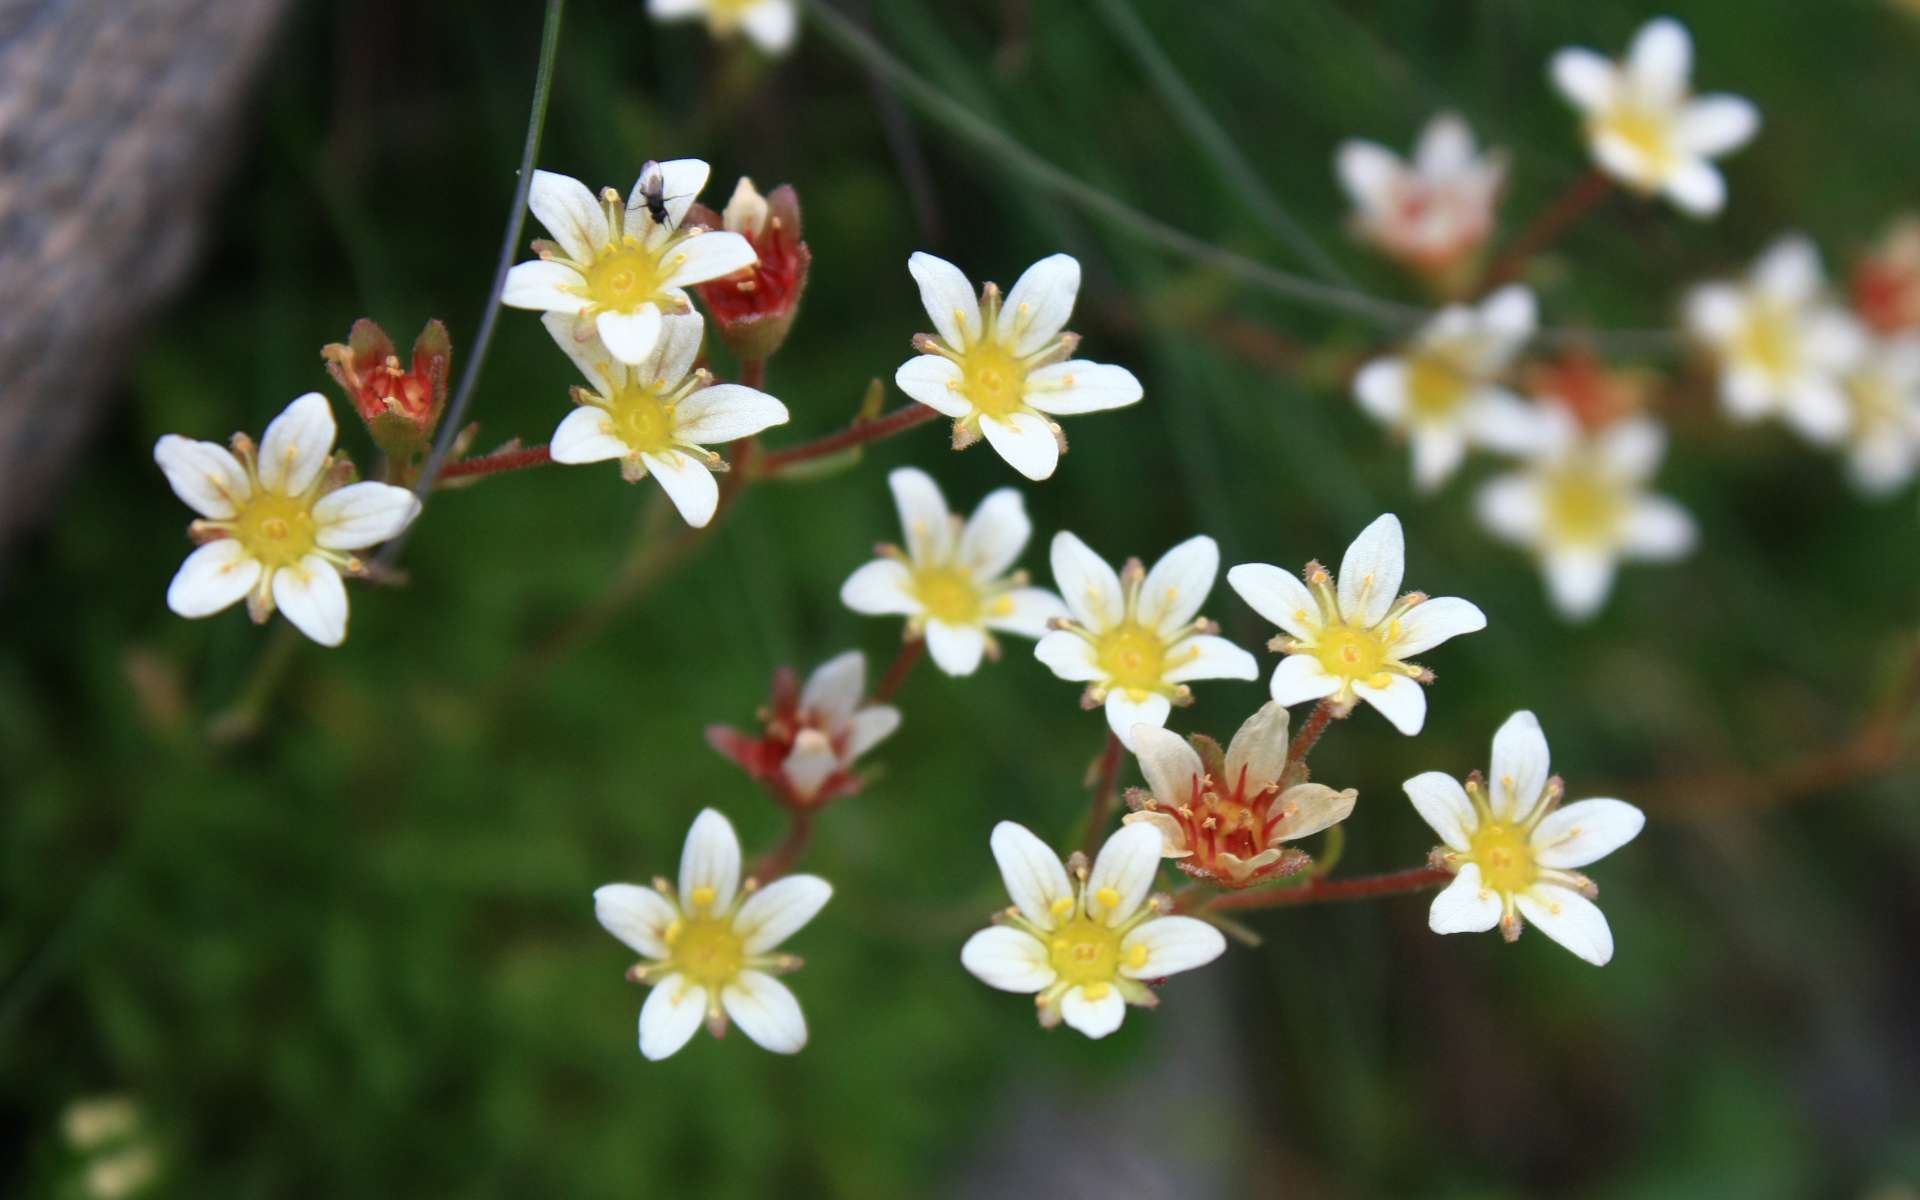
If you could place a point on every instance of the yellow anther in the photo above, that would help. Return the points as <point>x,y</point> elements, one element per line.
<point>1137,956</point>
<point>1108,898</point>
<point>1061,907</point>
<point>1096,991</point>
<point>703,896</point>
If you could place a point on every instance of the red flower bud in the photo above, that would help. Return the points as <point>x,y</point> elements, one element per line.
<point>401,405</point>
<point>1886,284</point>
<point>754,306</point>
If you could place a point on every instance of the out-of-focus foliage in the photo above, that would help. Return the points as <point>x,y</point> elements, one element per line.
<point>357,955</point>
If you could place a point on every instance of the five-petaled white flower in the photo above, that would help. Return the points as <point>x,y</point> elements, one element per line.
<point>277,526</point>
<point>1136,638</point>
<point>770,24</point>
<point>1783,346</point>
<point>1350,641</point>
<point>1582,505</point>
<point>1884,436</point>
<point>1646,128</point>
<point>708,947</point>
<point>1432,212</point>
<point>1513,849</point>
<point>1085,944</point>
<point>1000,370</point>
<point>954,582</point>
<point>657,416</point>
<point>1445,391</point>
<point>619,267</point>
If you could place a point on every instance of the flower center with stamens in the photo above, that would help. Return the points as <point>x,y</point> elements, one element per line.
<point>276,530</point>
<point>1436,385</point>
<point>1133,657</point>
<point>624,277</point>
<point>948,594</point>
<point>706,950</point>
<point>1583,509</point>
<point>1504,854</point>
<point>1768,340</point>
<point>1085,952</point>
<point>1351,653</point>
<point>1649,131</point>
<point>642,419</point>
<point>994,380</point>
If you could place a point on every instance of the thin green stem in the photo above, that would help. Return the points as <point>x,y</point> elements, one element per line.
<point>240,720</point>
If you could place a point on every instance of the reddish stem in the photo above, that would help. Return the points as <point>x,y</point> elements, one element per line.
<point>1577,201</point>
<point>1318,891</point>
<point>1303,742</point>
<point>1105,788</point>
<point>857,434</point>
<point>902,666</point>
<point>753,374</point>
<point>494,464</point>
<point>776,861</point>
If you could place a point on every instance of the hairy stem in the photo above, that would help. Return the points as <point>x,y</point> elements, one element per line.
<point>857,434</point>
<point>1105,790</point>
<point>779,860</point>
<point>495,464</point>
<point>902,666</point>
<point>1309,735</point>
<point>1319,891</point>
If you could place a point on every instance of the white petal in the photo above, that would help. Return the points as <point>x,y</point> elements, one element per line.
<point>1299,678</point>
<point>688,482</point>
<point>205,476</point>
<point>1445,146</point>
<point>1817,408</point>
<point>1125,866</point>
<point>771,24</point>
<point>1660,60</point>
<point>1520,766</point>
<point>880,588</point>
<point>630,336</point>
<point>310,595</point>
<point>935,382</point>
<point>777,911</point>
<point>1438,451</point>
<point>1124,712</point>
<point>835,688</point>
<point>1715,312</point>
<point>765,1011</point>
<point>995,534</point>
<point>1790,270</point>
<point>1089,586</point>
<point>570,213</point>
<point>670,1016</point>
<point>924,517</point>
<point>1025,611</point>
<point>1257,754</point>
<point>1431,622</point>
<point>871,726</point>
<point>586,435</point>
<point>1657,528</point>
<point>1578,580</point>
<point>1069,656</point>
<point>1443,804</point>
<point>809,764</point>
<point>1174,944</point>
<point>1697,187</point>
<point>1205,656</point>
<point>1513,508</point>
<point>1834,339</point>
<point>949,298</point>
<point>1037,308</point>
<point>709,859</point>
<point>214,576</point>
<point>1465,905</point>
<point>1095,1018</point>
<point>545,287</point>
<point>1369,172</point>
<point>1168,764</point>
<point>1370,573</point>
<point>956,649</point>
<point>1311,808</point>
<point>1585,78</point>
<point>1033,874</point>
<point>1568,918</point>
<point>1178,584</point>
<point>1381,389</point>
<point>1078,386</point>
<point>1402,702</point>
<point>1009,959</point>
<point>1509,316</point>
<point>1499,420</point>
<point>1713,125</point>
<point>1585,832</point>
<point>296,445</point>
<point>638,916</point>
<point>1278,596</point>
<point>363,514</point>
<point>1026,440</point>
<point>712,255</point>
<point>1632,449</point>
<point>726,412</point>
<point>580,341</point>
<point>680,182</point>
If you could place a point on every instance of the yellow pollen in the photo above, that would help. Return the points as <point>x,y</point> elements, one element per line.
<point>1133,657</point>
<point>276,530</point>
<point>993,380</point>
<point>703,896</point>
<point>1096,991</point>
<point>1083,951</point>
<point>1107,898</point>
<point>708,952</point>
<point>1436,384</point>
<point>1768,340</point>
<point>1137,956</point>
<point>1505,857</point>
<point>1061,907</point>
<point>1351,653</point>
<point>948,594</point>
<point>641,419</point>
<point>625,277</point>
<point>1583,508</point>
<point>1648,131</point>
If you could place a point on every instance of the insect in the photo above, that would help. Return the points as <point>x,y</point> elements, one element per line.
<point>651,187</point>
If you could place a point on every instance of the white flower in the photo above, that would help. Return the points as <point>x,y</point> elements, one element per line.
<point>1350,641</point>
<point>1000,370</point>
<point>1582,506</point>
<point>1884,398</point>
<point>614,267</point>
<point>1783,347</point>
<point>1136,638</point>
<point>954,583</point>
<point>1433,212</point>
<point>1645,127</point>
<point>1513,849</point>
<point>1085,946</point>
<point>657,416</point>
<point>707,947</point>
<point>770,24</point>
<point>1445,392</point>
<point>831,728</point>
<point>278,527</point>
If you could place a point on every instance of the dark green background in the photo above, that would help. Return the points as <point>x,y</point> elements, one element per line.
<point>357,955</point>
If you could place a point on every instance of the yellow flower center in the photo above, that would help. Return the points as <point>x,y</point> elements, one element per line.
<point>1583,508</point>
<point>624,277</point>
<point>276,530</point>
<point>1435,386</point>
<point>1133,657</point>
<point>1769,341</point>
<point>1086,952</point>
<point>1351,653</point>
<point>994,380</point>
<point>1504,855</point>
<point>1648,131</point>
<point>641,419</point>
<point>948,594</point>
<point>1876,401</point>
<point>706,950</point>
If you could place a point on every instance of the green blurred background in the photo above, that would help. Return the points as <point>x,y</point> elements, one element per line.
<point>356,955</point>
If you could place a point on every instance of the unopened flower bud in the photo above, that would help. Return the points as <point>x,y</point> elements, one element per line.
<point>400,402</point>
<point>754,306</point>
<point>1886,285</point>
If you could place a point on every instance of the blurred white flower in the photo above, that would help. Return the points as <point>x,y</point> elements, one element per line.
<point>1513,849</point>
<point>1883,394</point>
<point>1444,392</point>
<point>1085,945</point>
<point>707,946</point>
<point>1432,212</point>
<point>811,736</point>
<point>1000,370</point>
<point>657,416</point>
<point>1644,125</point>
<point>1350,641</point>
<point>278,527</point>
<point>954,582</point>
<point>1582,506</point>
<point>1783,346</point>
<point>769,24</point>
<point>618,268</point>
<point>1136,638</point>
